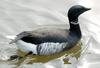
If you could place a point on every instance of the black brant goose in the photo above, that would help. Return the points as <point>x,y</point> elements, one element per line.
<point>49,41</point>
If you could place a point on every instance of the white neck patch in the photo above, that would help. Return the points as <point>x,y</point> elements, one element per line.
<point>74,23</point>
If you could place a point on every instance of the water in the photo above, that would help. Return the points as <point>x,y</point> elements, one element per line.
<point>22,15</point>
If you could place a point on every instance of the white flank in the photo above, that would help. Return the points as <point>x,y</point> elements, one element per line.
<point>45,48</point>
<point>26,47</point>
<point>50,48</point>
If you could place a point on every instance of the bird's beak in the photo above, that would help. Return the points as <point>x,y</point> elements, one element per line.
<point>88,9</point>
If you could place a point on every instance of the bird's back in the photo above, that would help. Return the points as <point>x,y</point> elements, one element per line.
<point>46,35</point>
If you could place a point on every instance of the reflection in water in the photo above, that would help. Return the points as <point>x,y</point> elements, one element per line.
<point>74,52</point>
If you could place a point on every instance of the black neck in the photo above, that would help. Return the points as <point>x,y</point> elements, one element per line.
<point>75,28</point>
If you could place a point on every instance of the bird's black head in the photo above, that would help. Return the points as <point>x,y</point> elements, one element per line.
<point>75,11</point>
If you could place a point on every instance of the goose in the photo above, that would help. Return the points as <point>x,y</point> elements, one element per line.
<point>48,41</point>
